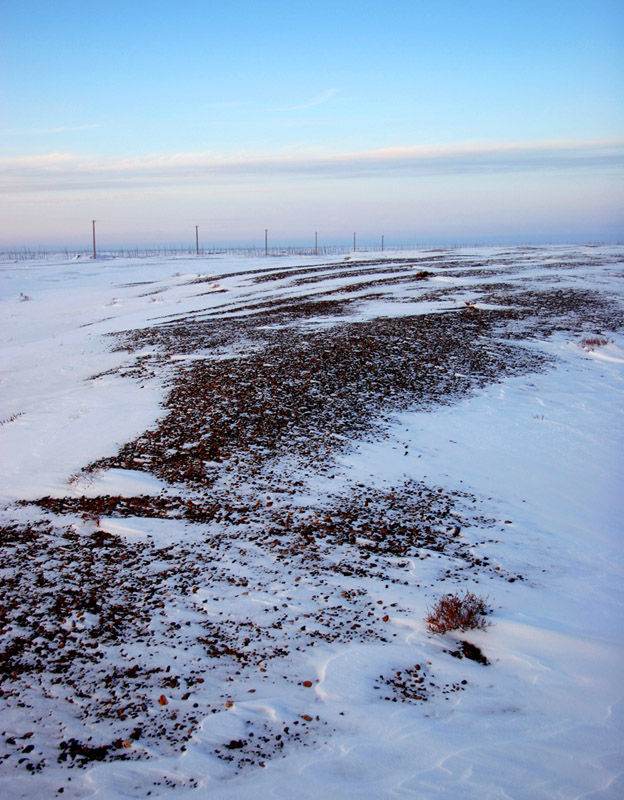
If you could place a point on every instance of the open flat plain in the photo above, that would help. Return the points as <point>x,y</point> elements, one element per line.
<point>232,488</point>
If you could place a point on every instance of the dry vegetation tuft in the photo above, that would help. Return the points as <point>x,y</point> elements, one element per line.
<point>455,612</point>
<point>592,342</point>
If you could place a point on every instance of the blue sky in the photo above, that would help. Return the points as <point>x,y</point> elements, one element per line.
<point>446,121</point>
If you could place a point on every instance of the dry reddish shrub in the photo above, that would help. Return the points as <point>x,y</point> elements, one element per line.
<point>455,612</point>
<point>592,342</point>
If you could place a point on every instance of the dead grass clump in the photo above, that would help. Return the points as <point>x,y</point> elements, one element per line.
<point>592,342</point>
<point>455,612</point>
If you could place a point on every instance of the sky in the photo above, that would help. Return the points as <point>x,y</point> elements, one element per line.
<point>446,122</point>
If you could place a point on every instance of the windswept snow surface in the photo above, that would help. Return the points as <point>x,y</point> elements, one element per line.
<point>231,488</point>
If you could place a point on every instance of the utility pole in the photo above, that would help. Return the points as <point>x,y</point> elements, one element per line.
<point>93,224</point>
<point>315,243</point>
<point>382,238</point>
<point>354,242</point>
<point>266,242</point>
<point>197,240</point>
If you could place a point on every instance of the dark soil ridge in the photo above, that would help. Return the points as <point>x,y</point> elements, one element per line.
<point>304,392</point>
<point>411,521</point>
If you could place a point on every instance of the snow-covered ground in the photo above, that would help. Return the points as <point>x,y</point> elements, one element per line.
<point>301,666</point>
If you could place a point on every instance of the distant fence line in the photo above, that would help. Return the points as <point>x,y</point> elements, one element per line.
<point>28,254</point>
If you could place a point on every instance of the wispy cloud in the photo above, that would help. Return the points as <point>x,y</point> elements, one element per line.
<point>46,131</point>
<point>64,171</point>
<point>316,101</point>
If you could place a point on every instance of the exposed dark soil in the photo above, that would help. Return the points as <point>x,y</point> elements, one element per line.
<point>299,391</point>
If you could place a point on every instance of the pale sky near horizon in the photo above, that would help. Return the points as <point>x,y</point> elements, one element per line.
<point>427,122</point>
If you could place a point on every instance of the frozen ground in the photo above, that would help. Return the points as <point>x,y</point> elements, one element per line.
<point>231,488</point>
